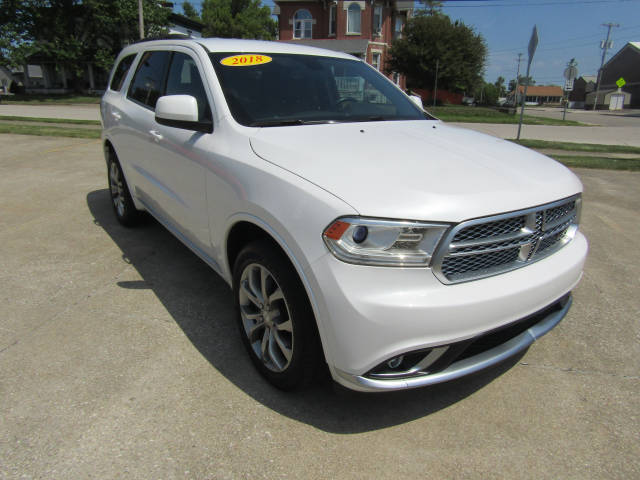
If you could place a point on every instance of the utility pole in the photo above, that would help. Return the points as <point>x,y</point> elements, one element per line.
<point>570,73</point>
<point>606,45</point>
<point>140,19</point>
<point>435,88</point>
<point>515,96</point>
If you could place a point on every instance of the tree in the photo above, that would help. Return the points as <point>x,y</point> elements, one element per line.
<point>432,7</point>
<point>428,39</point>
<point>502,91</point>
<point>522,80</point>
<point>10,36</point>
<point>190,11</point>
<point>238,19</point>
<point>486,94</point>
<point>73,32</point>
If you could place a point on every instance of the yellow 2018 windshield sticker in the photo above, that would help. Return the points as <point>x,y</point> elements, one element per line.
<point>245,60</point>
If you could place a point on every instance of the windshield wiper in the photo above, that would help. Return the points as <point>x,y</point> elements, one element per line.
<point>286,123</point>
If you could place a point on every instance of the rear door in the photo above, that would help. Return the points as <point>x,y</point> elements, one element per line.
<point>138,139</point>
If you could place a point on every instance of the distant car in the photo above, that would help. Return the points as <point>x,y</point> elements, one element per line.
<point>354,228</point>
<point>470,101</point>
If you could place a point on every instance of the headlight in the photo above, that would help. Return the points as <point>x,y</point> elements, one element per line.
<point>368,241</point>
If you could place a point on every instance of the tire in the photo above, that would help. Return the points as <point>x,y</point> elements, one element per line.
<point>280,334</point>
<point>121,201</point>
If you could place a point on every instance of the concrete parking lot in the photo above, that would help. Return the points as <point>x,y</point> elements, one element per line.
<point>119,358</point>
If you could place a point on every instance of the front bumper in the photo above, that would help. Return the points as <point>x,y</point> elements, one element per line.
<point>368,315</point>
<point>465,366</point>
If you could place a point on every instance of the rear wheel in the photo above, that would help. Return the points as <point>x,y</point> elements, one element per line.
<point>275,318</point>
<point>121,200</point>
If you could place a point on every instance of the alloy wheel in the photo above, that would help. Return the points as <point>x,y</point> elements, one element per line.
<point>117,188</point>
<point>265,317</point>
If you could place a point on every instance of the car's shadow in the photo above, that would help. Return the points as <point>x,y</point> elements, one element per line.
<point>200,303</point>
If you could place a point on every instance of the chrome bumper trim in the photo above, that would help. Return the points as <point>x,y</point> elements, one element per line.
<point>463,367</point>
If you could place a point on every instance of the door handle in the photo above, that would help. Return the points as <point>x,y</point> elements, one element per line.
<point>116,116</point>
<point>156,135</point>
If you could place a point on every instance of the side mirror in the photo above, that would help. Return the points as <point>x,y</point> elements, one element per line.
<point>417,100</point>
<point>181,111</point>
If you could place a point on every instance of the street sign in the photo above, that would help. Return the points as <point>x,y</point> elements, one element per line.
<point>568,85</point>
<point>570,72</point>
<point>533,43</point>
<point>621,82</point>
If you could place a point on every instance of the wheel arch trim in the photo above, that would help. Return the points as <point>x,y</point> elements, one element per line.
<point>288,251</point>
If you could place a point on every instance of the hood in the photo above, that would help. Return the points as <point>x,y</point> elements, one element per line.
<point>416,170</point>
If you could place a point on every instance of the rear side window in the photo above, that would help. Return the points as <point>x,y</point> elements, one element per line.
<point>146,86</point>
<point>184,79</point>
<point>121,72</point>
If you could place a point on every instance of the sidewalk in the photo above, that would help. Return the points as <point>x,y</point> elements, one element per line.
<point>74,112</point>
<point>603,135</point>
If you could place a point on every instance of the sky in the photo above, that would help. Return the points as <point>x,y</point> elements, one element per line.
<point>566,29</point>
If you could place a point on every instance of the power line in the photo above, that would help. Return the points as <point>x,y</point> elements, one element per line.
<point>564,41</point>
<point>482,4</point>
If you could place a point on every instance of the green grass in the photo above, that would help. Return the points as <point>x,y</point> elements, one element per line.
<point>577,147</point>
<point>455,113</point>
<point>49,120</point>
<point>605,163</point>
<point>49,131</point>
<point>50,99</point>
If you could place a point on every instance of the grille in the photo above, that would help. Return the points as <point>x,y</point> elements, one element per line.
<point>491,229</point>
<point>487,246</point>
<point>472,263</point>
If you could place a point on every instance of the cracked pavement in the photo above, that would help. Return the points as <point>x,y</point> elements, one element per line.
<point>119,358</point>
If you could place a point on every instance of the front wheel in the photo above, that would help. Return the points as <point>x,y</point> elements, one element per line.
<point>275,318</point>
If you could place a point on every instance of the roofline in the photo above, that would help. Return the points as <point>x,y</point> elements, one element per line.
<point>628,44</point>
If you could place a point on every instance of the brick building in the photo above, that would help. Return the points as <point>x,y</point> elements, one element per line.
<point>361,28</point>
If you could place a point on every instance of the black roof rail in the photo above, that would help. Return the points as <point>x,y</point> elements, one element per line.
<point>171,36</point>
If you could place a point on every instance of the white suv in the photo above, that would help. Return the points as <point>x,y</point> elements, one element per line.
<point>353,227</point>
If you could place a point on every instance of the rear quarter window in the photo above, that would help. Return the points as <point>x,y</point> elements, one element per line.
<point>121,72</point>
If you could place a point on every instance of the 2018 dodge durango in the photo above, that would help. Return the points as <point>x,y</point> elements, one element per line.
<point>353,227</point>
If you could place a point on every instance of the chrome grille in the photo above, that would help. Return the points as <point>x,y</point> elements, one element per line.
<point>491,229</point>
<point>487,246</point>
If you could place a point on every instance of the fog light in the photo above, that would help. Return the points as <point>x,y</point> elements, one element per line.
<point>395,361</point>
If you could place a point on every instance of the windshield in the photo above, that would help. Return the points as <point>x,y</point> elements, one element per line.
<point>283,89</point>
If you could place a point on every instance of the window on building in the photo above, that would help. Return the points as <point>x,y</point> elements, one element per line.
<point>333,9</point>
<point>302,24</point>
<point>353,18</point>
<point>375,60</point>
<point>397,32</point>
<point>377,19</point>
<point>396,78</point>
